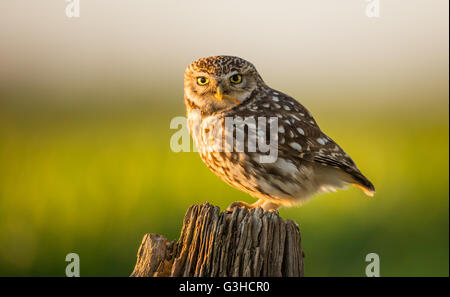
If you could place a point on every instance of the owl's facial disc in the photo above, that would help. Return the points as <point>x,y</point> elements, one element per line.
<point>213,92</point>
<point>220,82</point>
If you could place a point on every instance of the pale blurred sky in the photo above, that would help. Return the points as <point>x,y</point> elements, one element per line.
<point>316,46</point>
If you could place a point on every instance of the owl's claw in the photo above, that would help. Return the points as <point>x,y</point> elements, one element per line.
<point>265,205</point>
<point>238,204</point>
<point>275,211</point>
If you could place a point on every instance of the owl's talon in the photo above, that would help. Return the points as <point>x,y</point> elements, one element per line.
<point>238,204</point>
<point>275,211</point>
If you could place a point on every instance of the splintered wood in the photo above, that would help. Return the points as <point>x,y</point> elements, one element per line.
<point>213,243</point>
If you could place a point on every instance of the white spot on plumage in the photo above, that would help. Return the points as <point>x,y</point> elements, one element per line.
<point>300,130</point>
<point>295,146</point>
<point>286,166</point>
<point>328,188</point>
<point>322,141</point>
<point>275,98</point>
<point>281,129</point>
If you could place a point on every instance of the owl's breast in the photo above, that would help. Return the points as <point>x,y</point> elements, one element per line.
<point>240,169</point>
<point>207,132</point>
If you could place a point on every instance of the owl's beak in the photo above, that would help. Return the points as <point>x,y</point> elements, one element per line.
<point>219,93</point>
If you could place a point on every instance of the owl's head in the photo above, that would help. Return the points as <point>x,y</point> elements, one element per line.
<point>220,82</point>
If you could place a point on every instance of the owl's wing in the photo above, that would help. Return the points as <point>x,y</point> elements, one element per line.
<point>299,136</point>
<point>303,138</point>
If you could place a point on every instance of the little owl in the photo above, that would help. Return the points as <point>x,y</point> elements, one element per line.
<point>220,90</point>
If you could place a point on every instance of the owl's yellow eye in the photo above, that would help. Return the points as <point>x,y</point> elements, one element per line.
<point>201,81</point>
<point>236,79</point>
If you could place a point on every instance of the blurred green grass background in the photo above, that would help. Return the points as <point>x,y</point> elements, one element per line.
<point>94,177</point>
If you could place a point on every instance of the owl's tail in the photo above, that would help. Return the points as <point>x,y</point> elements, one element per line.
<point>361,182</point>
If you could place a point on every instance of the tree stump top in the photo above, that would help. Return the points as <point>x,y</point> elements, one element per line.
<point>241,242</point>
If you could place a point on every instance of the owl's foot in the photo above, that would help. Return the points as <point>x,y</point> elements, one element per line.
<point>273,210</point>
<point>265,205</point>
<point>239,204</point>
<point>270,206</point>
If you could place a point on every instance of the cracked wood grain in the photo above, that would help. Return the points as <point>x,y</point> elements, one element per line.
<point>237,243</point>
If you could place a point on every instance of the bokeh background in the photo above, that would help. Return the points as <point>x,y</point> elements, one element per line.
<point>85,107</point>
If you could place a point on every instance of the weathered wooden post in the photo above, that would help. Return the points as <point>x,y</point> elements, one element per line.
<point>213,243</point>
